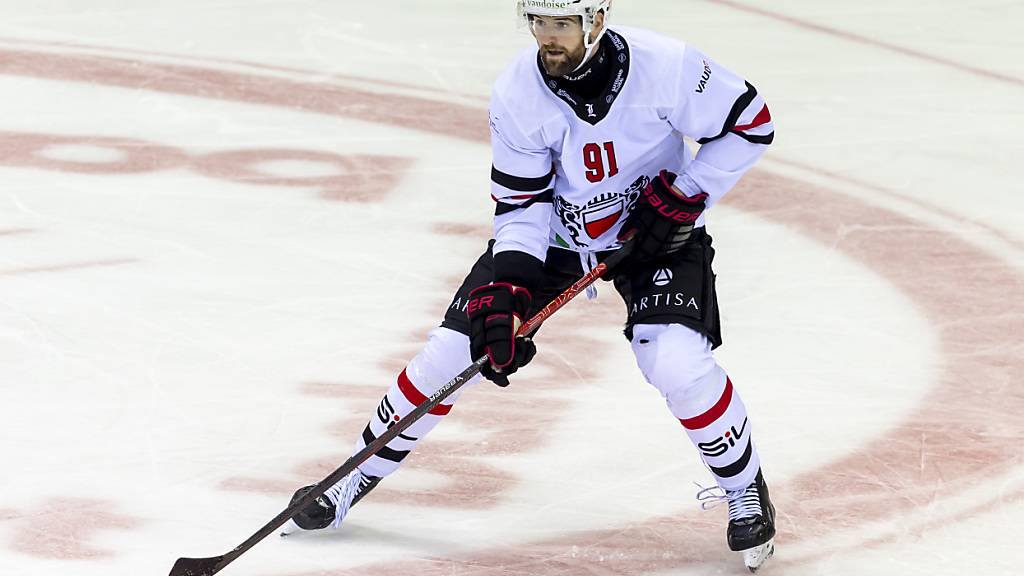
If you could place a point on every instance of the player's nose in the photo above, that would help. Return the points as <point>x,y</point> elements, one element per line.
<point>548,39</point>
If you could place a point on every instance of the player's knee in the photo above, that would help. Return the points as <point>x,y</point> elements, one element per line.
<point>444,357</point>
<point>673,358</point>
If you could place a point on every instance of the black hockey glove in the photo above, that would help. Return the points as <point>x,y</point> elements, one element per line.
<point>662,219</point>
<point>496,311</point>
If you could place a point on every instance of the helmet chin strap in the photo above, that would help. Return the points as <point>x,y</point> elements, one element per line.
<point>590,46</point>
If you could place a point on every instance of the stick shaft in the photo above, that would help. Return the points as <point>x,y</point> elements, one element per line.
<point>217,564</point>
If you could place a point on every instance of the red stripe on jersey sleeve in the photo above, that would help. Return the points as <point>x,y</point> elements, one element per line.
<point>763,117</point>
<point>517,197</point>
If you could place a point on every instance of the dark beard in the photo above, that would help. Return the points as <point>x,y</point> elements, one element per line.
<point>590,80</point>
<point>564,66</point>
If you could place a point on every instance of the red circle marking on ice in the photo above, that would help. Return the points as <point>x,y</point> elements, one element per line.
<point>944,438</point>
<point>351,178</point>
<point>130,155</point>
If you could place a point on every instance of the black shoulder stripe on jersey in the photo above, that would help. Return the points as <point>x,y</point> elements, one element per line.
<point>385,452</point>
<point>765,139</point>
<point>518,183</point>
<point>737,466</point>
<point>546,197</point>
<point>738,107</point>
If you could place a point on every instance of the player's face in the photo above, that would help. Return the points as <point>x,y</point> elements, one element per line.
<point>560,40</point>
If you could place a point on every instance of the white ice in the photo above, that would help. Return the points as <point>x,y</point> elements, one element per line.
<point>197,316</point>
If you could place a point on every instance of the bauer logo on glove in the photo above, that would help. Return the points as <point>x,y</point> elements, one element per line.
<point>662,219</point>
<point>496,311</point>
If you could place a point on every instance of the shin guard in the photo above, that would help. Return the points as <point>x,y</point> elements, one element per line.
<point>678,362</point>
<point>445,355</point>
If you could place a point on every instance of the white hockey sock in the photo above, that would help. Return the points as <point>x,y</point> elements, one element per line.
<point>715,419</point>
<point>678,361</point>
<point>445,355</point>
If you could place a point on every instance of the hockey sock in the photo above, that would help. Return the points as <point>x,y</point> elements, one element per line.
<point>445,355</point>
<point>716,421</point>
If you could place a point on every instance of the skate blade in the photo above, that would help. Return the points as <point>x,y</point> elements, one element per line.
<point>289,528</point>
<point>755,557</point>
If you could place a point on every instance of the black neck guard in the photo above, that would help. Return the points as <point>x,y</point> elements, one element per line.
<point>591,90</point>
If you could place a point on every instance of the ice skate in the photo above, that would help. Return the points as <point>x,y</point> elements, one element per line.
<point>329,509</point>
<point>751,520</point>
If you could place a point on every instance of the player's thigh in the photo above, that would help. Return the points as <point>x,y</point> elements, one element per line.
<point>560,271</point>
<point>676,289</point>
<point>482,272</point>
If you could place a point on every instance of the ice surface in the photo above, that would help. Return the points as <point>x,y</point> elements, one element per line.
<point>225,226</point>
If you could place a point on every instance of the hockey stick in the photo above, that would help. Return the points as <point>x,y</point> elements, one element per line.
<point>210,566</point>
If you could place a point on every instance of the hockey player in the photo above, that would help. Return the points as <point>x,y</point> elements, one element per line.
<point>586,134</point>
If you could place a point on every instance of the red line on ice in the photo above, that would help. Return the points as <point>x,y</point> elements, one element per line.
<point>61,528</point>
<point>845,35</point>
<point>68,266</point>
<point>16,231</point>
<point>960,288</point>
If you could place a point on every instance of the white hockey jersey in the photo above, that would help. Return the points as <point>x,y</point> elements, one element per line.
<point>565,172</point>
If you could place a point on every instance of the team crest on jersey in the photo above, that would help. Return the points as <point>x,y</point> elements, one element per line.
<point>599,215</point>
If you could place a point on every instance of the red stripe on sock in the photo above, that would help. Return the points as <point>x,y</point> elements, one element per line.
<point>416,397</point>
<point>713,413</point>
<point>763,117</point>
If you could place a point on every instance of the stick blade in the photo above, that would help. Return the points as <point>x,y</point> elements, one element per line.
<point>197,566</point>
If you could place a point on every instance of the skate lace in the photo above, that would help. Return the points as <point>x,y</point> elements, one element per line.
<point>743,503</point>
<point>342,494</point>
